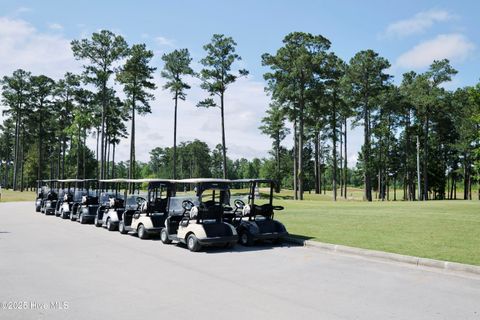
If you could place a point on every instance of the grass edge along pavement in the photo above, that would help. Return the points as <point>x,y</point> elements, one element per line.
<point>440,230</point>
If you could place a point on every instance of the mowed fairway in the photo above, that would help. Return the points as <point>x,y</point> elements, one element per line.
<point>445,230</point>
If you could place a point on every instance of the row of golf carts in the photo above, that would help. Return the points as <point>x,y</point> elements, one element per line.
<point>195,212</point>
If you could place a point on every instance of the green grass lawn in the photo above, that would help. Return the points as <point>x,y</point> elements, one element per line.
<point>10,195</point>
<point>445,230</point>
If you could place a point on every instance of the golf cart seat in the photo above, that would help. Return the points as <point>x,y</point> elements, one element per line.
<point>52,196</point>
<point>213,212</point>
<point>265,210</point>
<point>159,205</point>
<point>92,200</point>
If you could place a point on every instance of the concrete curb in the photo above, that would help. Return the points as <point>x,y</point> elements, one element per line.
<point>422,262</point>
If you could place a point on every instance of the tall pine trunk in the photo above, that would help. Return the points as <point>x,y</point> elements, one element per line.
<point>334,151</point>
<point>366,153</point>
<point>345,160</point>
<point>224,147</point>
<point>317,180</point>
<point>175,137</point>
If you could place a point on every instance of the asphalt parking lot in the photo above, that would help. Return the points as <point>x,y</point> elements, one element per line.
<point>57,269</point>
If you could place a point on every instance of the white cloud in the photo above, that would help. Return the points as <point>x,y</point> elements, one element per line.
<point>417,24</point>
<point>55,26</point>
<point>455,47</point>
<point>245,105</point>
<point>25,47</point>
<point>162,41</point>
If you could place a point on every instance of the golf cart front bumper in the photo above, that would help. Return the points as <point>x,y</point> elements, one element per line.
<point>211,241</point>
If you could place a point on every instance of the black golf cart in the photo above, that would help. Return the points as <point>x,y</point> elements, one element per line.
<point>87,211</point>
<point>50,198</point>
<point>254,212</point>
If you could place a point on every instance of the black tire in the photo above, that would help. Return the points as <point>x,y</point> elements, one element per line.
<point>97,224</point>
<point>121,228</point>
<point>192,243</point>
<point>72,218</point>
<point>81,219</point>
<point>142,233</point>
<point>245,238</point>
<point>110,225</point>
<point>63,215</point>
<point>37,209</point>
<point>164,236</point>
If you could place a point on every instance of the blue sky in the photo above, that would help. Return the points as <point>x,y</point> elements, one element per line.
<point>410,34</point>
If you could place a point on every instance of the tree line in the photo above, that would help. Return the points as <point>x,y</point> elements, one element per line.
<point>418,136</point>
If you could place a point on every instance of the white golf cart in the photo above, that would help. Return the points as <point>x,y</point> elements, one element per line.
<point>112,203</point>
<point>196,217</point>
<point>71,198</point>
<point>149,217</point>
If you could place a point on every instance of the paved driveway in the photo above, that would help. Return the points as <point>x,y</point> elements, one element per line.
<point>63,270</point>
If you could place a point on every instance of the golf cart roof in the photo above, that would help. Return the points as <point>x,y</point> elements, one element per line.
<point>205,180</point>
<point>149,180</point>
<point>114,180</point>
<point>258,180</point>
<point>71,180</point>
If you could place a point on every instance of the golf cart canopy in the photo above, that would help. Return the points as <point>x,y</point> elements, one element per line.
<point>115,180</point>
<point>71,180</point>
<point>204,180</point>
<point>253,180</point>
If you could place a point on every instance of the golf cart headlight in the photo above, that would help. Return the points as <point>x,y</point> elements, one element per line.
<point>246,210</point>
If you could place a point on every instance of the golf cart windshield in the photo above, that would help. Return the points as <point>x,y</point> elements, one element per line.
<point>175,204</point>
<point>77,196</point>
<point>135,198</point>
<point>248,192</point>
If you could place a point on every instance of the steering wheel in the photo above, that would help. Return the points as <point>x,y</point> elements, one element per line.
<point>187,205</point>
<point>239,204</point>
<point>277,208</point>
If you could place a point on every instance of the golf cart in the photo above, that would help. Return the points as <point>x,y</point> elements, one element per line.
<point>148,218</point>
<point>72,197</point>
<point>254,214</point>
<point>61,195</point>
<point>89,204</point>
<point>50,198</point>
<point>112,203</point>
<point>43,193</point>
<point>196,219</point>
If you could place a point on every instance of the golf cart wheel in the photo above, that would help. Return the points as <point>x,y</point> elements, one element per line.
<point>192,243</point>
<point>72,217</point>
<point>142,233</point>
<point>97,224</point>
<point>121,228</point>
<point>245,238</point>
<point>110,225</point>
<point>81,219</point>
<point>164,236</point>
<point>37,209</point>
